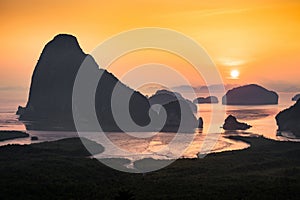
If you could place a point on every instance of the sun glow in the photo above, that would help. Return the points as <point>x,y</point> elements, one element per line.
<point>221,27</point>
<point>234,74</point>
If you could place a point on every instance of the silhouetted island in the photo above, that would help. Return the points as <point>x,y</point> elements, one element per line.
<point>250,95</point>
<point>177,108</point>
<point>289,119</point>
<point>165,96</point>
<point>50,98</point>
<point>34,138</point>
<point>296,97</point>
<point>49,105</point>
<point>231,123</point>
<point>209,99</point>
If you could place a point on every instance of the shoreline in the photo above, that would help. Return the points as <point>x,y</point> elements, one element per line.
<point>224,142</point>
<point>63,169</point>
<point>230,135</point>
<point>12,134</point>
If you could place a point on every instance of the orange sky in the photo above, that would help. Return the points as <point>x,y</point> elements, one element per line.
<point>261,40</point>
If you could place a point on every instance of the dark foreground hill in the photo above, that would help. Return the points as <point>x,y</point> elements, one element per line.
<point>61,170</point>
<point>9,135</point>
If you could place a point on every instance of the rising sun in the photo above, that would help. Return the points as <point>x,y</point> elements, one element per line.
<point>234,74</point>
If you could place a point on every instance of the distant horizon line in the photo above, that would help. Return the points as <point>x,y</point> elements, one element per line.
<point>277,87</point>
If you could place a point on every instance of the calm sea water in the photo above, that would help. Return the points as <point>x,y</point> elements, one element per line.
<point>157,145</point>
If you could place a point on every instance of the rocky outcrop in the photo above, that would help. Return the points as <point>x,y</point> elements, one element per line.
<point>21,110</point>
<point>180,117</point>
<point>180,111</point>
<point>200,122</point>
<point>250,95</point>
<point>231,123</point>
<point>289,119</point>
<point>34,138</point>
<point>49,104</point>
<point>296,97</point>
<point>164,97</point>
<point>209,99</point>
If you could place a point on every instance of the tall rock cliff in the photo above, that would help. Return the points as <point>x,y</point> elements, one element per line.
<point>49,104</point>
